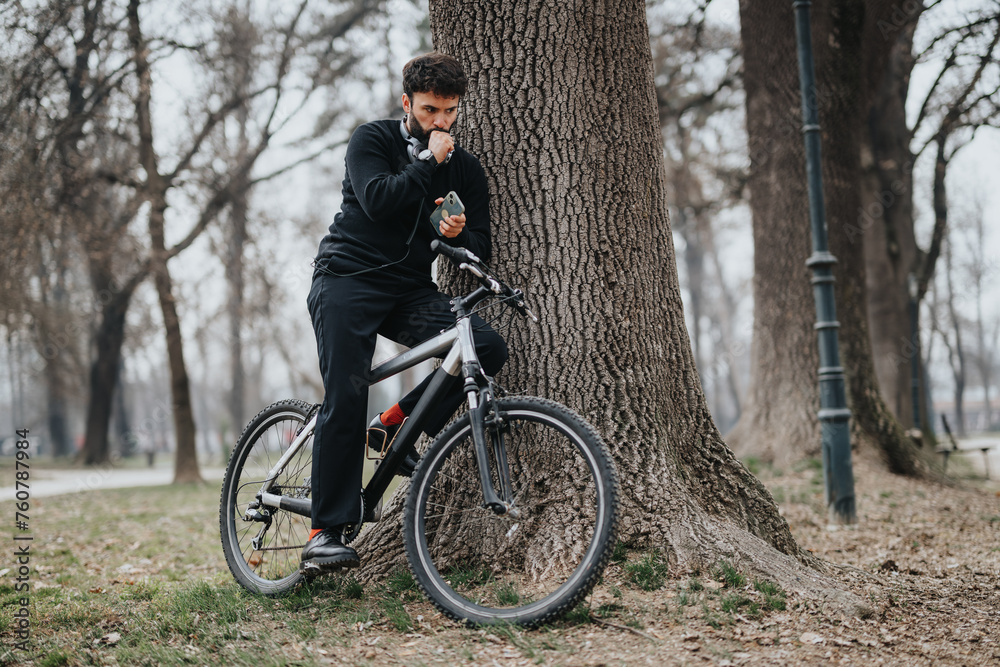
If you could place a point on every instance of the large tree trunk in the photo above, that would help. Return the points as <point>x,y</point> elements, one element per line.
<point>779,422</point>
<point>562,113</point>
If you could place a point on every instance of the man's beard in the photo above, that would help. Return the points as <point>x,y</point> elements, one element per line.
<point>418,132</point>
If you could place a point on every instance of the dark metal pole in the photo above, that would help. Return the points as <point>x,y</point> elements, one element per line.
<point>834,416</point>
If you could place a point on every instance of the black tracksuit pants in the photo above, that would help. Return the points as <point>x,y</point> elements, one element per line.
<point>347,313</point>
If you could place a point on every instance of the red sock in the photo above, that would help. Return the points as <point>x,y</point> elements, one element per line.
<point>393,416</point>
<point>312,533</point>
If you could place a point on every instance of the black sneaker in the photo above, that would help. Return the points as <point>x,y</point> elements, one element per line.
<point>381,438</point>
<point>326,553</point>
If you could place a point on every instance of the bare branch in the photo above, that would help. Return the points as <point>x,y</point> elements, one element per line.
<point>303,160</point>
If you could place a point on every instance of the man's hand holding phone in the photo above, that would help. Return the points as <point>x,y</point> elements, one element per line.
<point>449,216</point>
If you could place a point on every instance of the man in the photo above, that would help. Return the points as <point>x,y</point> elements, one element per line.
<point>373,276</point>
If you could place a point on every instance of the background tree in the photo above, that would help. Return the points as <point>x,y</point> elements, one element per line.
<point>962,52</point>
<point>75,70</point>
<point>562,113</point>
<point>779,420</point>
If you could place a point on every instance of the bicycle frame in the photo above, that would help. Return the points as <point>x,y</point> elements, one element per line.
<point>458,348</point>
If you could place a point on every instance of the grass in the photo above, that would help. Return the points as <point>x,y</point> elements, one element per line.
<point>507,594</point>
<point>649,573</point>
<point>396,614</point>
<point>732,603</point>
<point>728,575</point>
<point>401,582</point>
<point>619,553</point>
<point>774,596</point>
<point>467,576</point>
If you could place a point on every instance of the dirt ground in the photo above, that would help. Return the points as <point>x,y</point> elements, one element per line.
<point>925,556</point>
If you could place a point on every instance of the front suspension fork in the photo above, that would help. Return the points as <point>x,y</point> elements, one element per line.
<point>500,500</point>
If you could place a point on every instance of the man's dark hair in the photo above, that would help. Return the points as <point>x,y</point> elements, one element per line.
<point>435,73</point>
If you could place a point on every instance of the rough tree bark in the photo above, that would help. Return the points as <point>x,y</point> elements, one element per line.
<point>562,113</point>
<point>779,422</point>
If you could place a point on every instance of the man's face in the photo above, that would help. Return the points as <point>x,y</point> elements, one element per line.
<point>427,112</point>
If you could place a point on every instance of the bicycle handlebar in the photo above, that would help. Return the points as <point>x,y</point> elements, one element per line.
<point>457,255</point>
<point>464,259</point>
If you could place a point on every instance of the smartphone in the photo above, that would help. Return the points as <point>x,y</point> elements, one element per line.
<point>451,205</point>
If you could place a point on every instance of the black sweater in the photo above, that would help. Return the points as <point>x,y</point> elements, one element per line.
<point>383,191</point>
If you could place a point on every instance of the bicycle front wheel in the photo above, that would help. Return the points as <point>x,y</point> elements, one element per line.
<point>264,553</point>
<point>538,560</point>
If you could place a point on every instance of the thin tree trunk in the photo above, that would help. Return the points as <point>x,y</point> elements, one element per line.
<point>956,352</point>
<point>694,263</point>
<point>577,179</point>
<point>729,349</point>
<point>186,455</point>
<point>235,278</point>
<point>156,186</point>
<point>242,45</point>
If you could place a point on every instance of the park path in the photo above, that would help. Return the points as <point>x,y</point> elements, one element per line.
<point>45,483</point>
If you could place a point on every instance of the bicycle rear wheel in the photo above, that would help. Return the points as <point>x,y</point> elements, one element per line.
<point>271,566</point>
<point>527,566</point>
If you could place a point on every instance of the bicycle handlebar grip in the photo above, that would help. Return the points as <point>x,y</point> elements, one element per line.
<point>457,255</point>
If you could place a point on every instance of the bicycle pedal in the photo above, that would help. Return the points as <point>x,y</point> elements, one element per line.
<point>312,569</point>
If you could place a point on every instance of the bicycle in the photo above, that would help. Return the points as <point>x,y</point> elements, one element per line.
<point>522,541</point>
